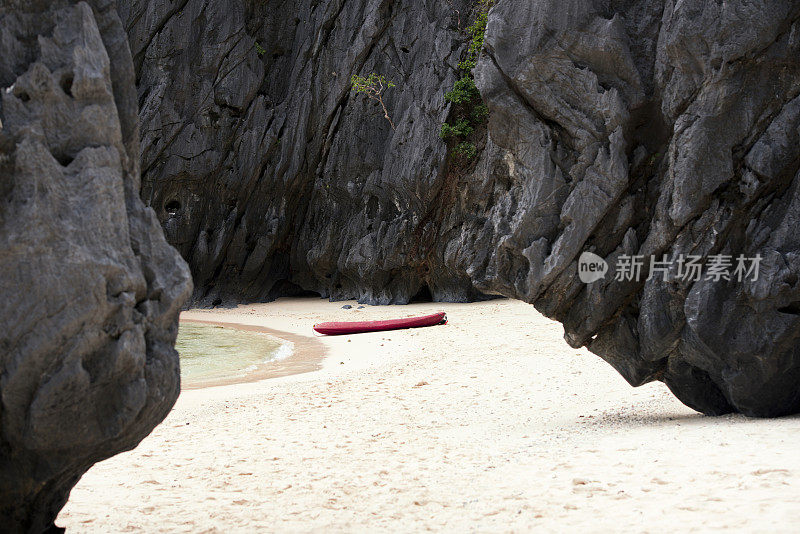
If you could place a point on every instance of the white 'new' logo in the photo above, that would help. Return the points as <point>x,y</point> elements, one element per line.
<point>591,267</point>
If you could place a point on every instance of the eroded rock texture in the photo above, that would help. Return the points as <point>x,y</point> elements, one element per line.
<point>267,173</point>
<point>91,290</point>
<point>645,127</point>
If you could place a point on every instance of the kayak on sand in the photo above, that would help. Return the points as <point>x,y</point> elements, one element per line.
<point>355,327</point>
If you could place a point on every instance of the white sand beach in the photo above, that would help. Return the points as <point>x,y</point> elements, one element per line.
<point>491,423</point>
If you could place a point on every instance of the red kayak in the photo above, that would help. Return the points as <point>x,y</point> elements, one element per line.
<point>355,327</point>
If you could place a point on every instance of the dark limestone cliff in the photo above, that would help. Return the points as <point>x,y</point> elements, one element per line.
<point>630,127</point>
<point>653,128</point>
<point>268,174</point>
<point>91,290</point>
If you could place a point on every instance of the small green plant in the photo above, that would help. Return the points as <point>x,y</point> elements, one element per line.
<point>460,129</point>
<point>476,32</point>
<point>479,113</point>
<point>373,87</point>
<point>466,150</point>
<point>463,91</point>
<point>260,50</point>
<point>654,158</point>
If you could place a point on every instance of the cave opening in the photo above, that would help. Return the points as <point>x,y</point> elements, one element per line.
<point>423,295</point>
<point>286,288</point>
<point>792,309</point>
<point>66,83</point>
<point>172,207</point>
<point>63,159</point>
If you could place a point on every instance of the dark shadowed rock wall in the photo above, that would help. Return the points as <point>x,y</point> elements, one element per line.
<point>90,289</point>
<point>627,127</point>
<point>267,173</point>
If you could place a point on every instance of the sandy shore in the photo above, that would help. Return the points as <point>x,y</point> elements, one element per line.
<point>491,423</point>
<point>306,356</point>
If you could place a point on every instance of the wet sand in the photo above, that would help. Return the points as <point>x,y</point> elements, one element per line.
<point>306,356</point>
<point>491,423</point>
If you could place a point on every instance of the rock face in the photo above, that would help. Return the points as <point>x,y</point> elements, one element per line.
<point>91,290</point>
<point>268,174</point>
<point>664,129</point>
<point>622,128</point>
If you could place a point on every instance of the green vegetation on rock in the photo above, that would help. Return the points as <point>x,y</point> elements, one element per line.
<point>469,111</point>
<point>460,129</point>
<point>466,150</point>
<point>373,87</point>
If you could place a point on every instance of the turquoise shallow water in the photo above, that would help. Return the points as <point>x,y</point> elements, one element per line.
<point>211,353</point>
